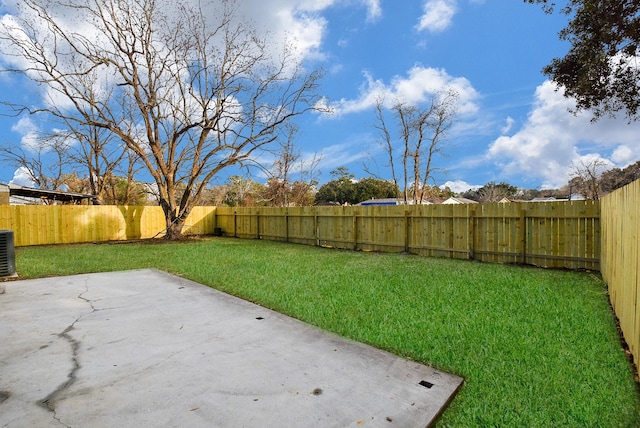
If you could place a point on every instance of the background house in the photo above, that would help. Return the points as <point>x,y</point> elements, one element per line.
<point>459,201</point>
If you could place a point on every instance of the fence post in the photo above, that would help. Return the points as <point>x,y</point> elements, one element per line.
<point>406,231</point>
<point>472,230</point>
<point>451,232</point>
<point>315,229</point>
<point>235,224</point>
<point>258,224</point>
<point>355,230</point>
<point>286,225</point>
<point>523,236</point>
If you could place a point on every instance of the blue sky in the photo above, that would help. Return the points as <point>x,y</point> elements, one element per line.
<point>512,126</point>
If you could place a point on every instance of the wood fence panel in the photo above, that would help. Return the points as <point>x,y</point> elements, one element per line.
<point>225,220</point>
<point>384,229</point>
<point>64,224</point>
<point>201,221</point>
<point>537,233</point>
<point>417,227</point>
<point>438,231</point>
<point>301,226</point>
<point>334,227</point>
<point>274,224</point>
<point>462,217</point>
<point>6,218</point>
<point>620,264</point>
<point>487,244</point>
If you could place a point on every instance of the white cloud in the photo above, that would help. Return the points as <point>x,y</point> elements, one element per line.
<point>508,125</point>
<point>29,133</point>
<point>623,155</point>
<point>552,139</point>
<point>437,16</point>
<point>418,86</point>
<point>299,22</point>
<point>459,186</point>
<point>22,177</point>
<point>342,154</point>
<point>374,10</point>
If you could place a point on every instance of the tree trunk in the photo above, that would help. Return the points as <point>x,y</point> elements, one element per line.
<point>174,229</point>
<point>174,220</point>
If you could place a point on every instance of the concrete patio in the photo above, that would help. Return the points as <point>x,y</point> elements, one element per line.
<point>146,348</point>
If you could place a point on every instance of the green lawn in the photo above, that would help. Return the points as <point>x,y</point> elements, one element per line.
<point>536,347</point>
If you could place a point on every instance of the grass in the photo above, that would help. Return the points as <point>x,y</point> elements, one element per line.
<point>536,347</point>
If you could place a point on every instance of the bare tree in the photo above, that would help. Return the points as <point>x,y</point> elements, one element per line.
<point>279,184</point>
<point>585,178</point>
<point>89,155</point>
<point>95,153</point>
<point>242,192</point>
<point>421,136</point>
<point>43,160</point>
<point>188,89</point>
<point>281,189</point>
<point>388,144</point>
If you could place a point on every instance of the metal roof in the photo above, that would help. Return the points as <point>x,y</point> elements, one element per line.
<point>55,195</point>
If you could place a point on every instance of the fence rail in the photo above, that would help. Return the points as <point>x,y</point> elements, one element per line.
<point>621,259</point>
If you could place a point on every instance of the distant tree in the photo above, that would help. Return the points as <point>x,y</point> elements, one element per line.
<point>495,192</point>
<point>279,185</point>
<point>302,193</point>
<point>492,192</point>
<point>345,189</point>
<point>527,194</point>
<point>278,193</point>
<point>416,137</point>
<point>585,178</point>
<point>341,189</point>
<point>342,173</point>
<point>280,189</point>
<point>372,188</point>
<point>601,68</point>
<point>44,159</point>
<point>437,193</point>
<point>242,192</point>
<point>214,196</point>
<point>615,178</point>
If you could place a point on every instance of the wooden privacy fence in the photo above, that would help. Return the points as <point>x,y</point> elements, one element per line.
<point>621,259</point>
<point>64,224</point>
<point>552,234</point>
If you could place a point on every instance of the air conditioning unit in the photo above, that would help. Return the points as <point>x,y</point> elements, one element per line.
<point>7,253</point>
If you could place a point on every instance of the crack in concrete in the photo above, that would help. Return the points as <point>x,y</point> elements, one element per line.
<point>49,401</point>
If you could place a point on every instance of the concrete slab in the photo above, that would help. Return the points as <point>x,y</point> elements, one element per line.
<point>145,348</point>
